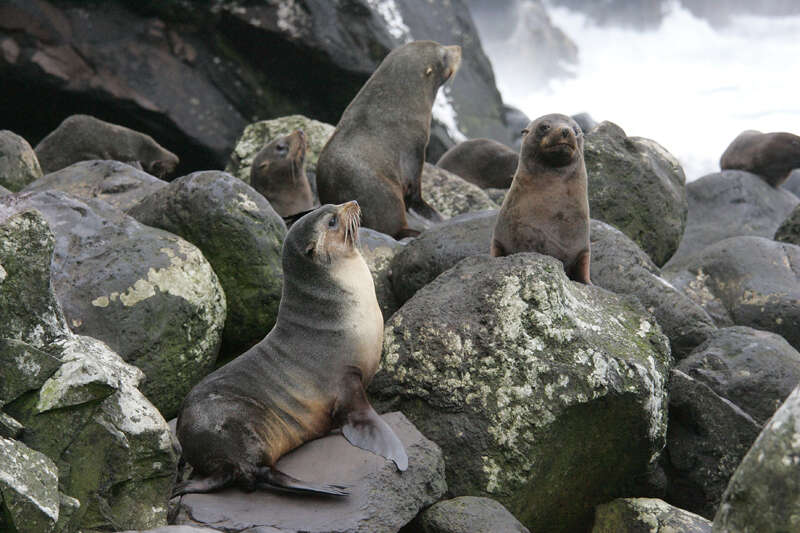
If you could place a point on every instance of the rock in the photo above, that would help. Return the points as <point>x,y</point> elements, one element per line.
<point>149,294</point>
<point>18,163</point>
<point>619,265</point>
<point>469,514</point>
<point>497,195</point>
<point>729,204</point>
<point>707,436</point>
<point>545,394</point>
<point>764,492</point>
<point>754,369</point>
<point>517,121</point>
<point>792,184</point>
<point>28,489</point>
<point>451,195</point>
<point>789,230</point>
<point>24,369</point>
<point>638,515</point>
<point>747,281</point>
<point>638,187</point>
<point>118,184</point>
<point>378,250</point>
<point>9,428</point>
<point>585,121</point>
<point>381,498</point>
<point>193,529</point>
<point>241,237</point>
<point>4,191</point>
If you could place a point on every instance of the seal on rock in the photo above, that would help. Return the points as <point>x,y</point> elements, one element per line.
<point>376,153</point>
<point>306,377</point>
<point>279,175</point>
<point>83,137</point>
<point>484,162</point>
<point>772,156</point>
<point>547,208</point>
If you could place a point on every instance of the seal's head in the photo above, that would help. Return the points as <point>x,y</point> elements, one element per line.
<point>283,157</point>
<point>552,140</point>
<point>425,64</point>
<point>323,236</point>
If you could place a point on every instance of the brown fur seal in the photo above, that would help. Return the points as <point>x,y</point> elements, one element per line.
<point>306,377</point>
<point>547,208</point>
<point>484,162</point>
<point>378,149</point>
<point>279,175</point>
<point>772,156</point>
<point>82,137</point>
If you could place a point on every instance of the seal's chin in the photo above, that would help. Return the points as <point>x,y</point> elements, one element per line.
<point>561,153</point>
<point>350,216</point>
<point>453,60</point>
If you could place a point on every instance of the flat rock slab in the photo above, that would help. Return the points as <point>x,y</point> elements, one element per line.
<point>469,514</point>
<point>644,515</point>
<point>381,498</point>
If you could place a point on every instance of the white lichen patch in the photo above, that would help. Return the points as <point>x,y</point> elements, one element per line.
<point>292,18</point>
<point>644,328</point>
<point>3,274</point>
<point>390,13</point>
<point>247,204</point>
<point>698,290</point>
<point>445,113</point>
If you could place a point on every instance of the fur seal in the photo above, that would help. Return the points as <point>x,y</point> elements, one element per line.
<point>279,175</point>
<point>83,137</point>
<point>772,156</point>
<point>484,162</point>
<point>376,153</point>
<point>306,377</point>
<point>547,208</point>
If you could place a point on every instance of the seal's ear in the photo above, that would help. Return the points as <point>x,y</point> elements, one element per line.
<point>525,132</point>
<point>291,219</point>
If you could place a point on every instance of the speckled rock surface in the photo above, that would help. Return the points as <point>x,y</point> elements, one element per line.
<point>646,515</point>
<point>707,438</point>
<point>378,250</point>
<point>469,514</point>
<point>497,195</point>
<point>4,191</point>
<point>18,163</point>
<point>452,195</point>
<point>240,235</point>
<point>764,493</point>
<point>792,184</point>
<point>545,394</point>
<point>746,281</point>
<point>149,294</point>
<point>638,187</point>
<point>381,500</point>
<point>118,184</point>
<point>28,489</point>
<point>789,230</point>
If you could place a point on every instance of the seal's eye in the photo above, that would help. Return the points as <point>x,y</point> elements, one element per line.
<point>544,128</point>
<point>332,222</point>
<point>429,71</point>
<point>525,131</point>
<point>577,130</point>
<point>282,148</point>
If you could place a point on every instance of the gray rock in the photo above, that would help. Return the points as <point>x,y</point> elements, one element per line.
<point>638,187</point>
<point>185,529</point>
<point>381,499</point>
<point>545,394</point>
<point>497,195</point>
<point>792,183</point>
<point>789,230</point>
<point>4,191</point>
<point>28,489</point>
<point>747,281</point>
<point>451,195</point>
<point>9,427</point>
<point>707,437</point>
<point>643,515</point>
<point>378,250</point>
<point>18,163</point>
<point>149,294</point>
<point>24,369</point>
<point>469,514</point>
<point>118,184</point>
<point>754,369</point>
<point>239,234</point>
<point>585,121</point>
<point>764,493</point>
<point>729,204</point>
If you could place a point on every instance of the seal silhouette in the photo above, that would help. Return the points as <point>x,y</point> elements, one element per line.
<point>306,377</point>
<point>484,162</point>
<point>279,175</point>
<point>376,153</point>
<point>547,208</point>
<point>772,156</point>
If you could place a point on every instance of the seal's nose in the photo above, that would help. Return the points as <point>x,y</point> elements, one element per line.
<point>565,132</point>
<point>301,133</point>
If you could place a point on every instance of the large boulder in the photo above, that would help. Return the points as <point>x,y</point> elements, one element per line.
<point>789,230</point>
<point>638,187</point>
<point>118,184</point>
<point>18,163</point>
<point>545,394</point>
<point>746,281</point>
<point>640,515</point>
<point>728,204</point>
<point>381,500</point>
<point>452,195</point>
<point>150,295</point>
<point>4,191</point>
<point>792,183</point>
<point>241,237</point>
<point>764,492</point>
<point>378,250</point>
<point>469,514</point>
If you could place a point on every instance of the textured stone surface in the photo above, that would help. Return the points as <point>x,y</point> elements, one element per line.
<point>241,237</point>
<point>792,184</point>
<point>545,394</point>
<point>764,493</point>
<point>118,184</point>
<point>646,515</point>
<point>452,195</point>
<point>4,191</point>
<point>378,250</point>
<point>24,368</point>
<point>469,514</point>
<point>789,230</point>
<point>18,163</point>
<point>28,489</point>
<point>381,499</point>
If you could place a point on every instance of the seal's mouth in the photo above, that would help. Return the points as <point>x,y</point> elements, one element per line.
<point>350,216</point>
<point>453,55</point>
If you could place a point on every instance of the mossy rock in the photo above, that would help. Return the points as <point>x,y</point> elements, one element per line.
<point>789,230</point>
<point>644,515</point>
<point>452,195</point>
<point>18,163</point>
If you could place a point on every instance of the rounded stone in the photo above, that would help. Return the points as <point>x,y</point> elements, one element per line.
<point>18,163</point>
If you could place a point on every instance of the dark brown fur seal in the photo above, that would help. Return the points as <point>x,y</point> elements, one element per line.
<point>306,377</point>
<point>82,137</point>
<point>484,162</point>
<point>279,175</point>
<point>547,208</point>
<point>772,156</point>
<point>378,149</point>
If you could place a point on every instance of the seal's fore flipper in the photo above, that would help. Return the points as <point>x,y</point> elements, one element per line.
<point>206,484</point>
<point>270,478</point>
<point>363,427</point>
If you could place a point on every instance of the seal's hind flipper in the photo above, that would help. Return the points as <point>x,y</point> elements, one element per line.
<point>270,478</point>
<point>206,484</point>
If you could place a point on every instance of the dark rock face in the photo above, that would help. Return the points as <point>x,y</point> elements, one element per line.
<point>381,499</point>
<point>638,187</point>
<point>640,515</point>
<point>240,235</point>
<point>378,250</point>
<point>728,204</point>
<point>707,437</point>
<point>469,514</point>
<point>18,163</point>
<point>789,230</point>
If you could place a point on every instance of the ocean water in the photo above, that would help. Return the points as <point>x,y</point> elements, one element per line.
<point>688,86</point>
